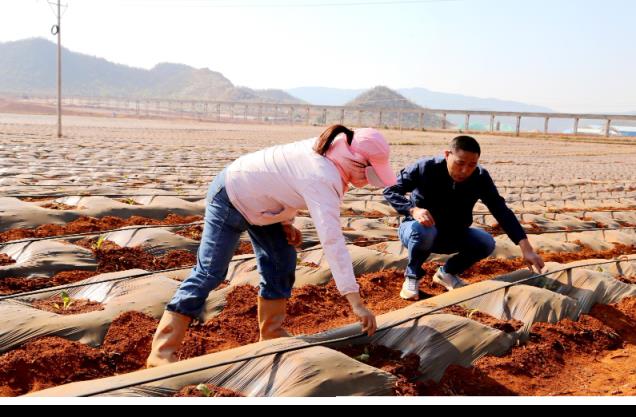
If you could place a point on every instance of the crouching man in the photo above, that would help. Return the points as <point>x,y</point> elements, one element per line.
<point>439,215</point>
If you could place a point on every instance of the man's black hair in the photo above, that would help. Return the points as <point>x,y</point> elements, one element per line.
<point>466,144</point>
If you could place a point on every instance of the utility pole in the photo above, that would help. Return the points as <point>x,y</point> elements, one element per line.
<point>57,30</point>
<point>59,69</point>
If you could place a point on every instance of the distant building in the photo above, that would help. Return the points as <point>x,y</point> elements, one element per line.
<point>597,130</point>
<point>625,130</point>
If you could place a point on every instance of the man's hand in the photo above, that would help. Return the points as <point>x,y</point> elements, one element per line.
<point>293,235</point>
<point>423,216</point>
<point>533,260</point>
<point>367,318</point>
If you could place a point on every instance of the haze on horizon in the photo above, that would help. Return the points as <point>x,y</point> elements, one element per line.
<point>569,55</point>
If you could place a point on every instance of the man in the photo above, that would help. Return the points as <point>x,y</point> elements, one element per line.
<point>439,215</point>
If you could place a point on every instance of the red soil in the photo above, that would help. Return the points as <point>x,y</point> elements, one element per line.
<point>47,363</point>
<point>311,310</point>
<point>5,260</point>
<point>90,225</point>
<point>191,232</point>
<point>509,326</point>
<point>406,368</point>
<point>627,280</point>
<point>369,214</point>
<point>36,199</point>
<point>58,206</point>
<point>529,227</point>
<point>365,242</point>
<point>245,248</point>
<point>626,224</point>
<point>491,268</point>
<point>129,341</point>
<point>236,326</point>
<point>56,305</point>
<point>591,357</point>
<point>309,265</point>
<point>129,202</point>
<point>10,286</point>
<point>594,209</point>
<point>110,258</point>
<point>196,233</point>
<point>124,259</point>
<point>53,361</point>
<point>215,392</point>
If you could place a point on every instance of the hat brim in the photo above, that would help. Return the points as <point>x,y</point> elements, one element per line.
<point>385,175</point>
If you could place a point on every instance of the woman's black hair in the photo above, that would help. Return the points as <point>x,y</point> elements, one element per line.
<point>328,136</point>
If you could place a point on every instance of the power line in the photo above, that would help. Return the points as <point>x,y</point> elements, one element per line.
<point>207,4</point>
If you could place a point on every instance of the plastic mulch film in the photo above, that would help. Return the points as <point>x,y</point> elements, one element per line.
<point>150,295</point>
<point>20,214</point>
<point>313,267</point>
<point>157,242</point>
<point>22,322</point>
<point>45,259</point>
<point>310,372</point>
<point>440,340</point>
<point>591,285</point>
<point>525,303</point>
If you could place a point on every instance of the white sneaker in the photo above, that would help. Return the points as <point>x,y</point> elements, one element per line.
<point>448,281</point>
<point>410,290</point>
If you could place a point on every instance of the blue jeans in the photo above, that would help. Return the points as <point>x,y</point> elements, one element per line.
<point>276,259</point>
<point>471,246</point>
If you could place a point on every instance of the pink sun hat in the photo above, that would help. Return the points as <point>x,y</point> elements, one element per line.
<point>372,145</point>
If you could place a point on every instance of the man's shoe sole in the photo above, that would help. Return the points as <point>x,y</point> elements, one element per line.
<point>405,296</point>
<point>440,282</point>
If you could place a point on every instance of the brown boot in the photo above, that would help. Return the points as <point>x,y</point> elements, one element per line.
<point>168,338</point>
<point>271,314</point>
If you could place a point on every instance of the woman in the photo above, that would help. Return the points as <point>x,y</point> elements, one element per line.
<point>261,193</point>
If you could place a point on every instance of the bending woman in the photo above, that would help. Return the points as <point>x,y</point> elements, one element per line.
<point>261,193</point>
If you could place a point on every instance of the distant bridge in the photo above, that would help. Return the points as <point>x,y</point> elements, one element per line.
<point>305,114</point>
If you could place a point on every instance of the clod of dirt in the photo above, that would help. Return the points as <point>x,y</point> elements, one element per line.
<point>59,206</point>
<point>207,390</point>
<point>191,232</point>
<point>6,260</point>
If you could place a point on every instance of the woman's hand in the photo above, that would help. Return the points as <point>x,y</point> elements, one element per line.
<point>293,235</point>
<point>367,318</point>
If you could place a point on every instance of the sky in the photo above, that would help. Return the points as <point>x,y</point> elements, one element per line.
<point>569,55</point>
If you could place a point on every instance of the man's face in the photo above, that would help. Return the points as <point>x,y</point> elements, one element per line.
<point>461,164</point>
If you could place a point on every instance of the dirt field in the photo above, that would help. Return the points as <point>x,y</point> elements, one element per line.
<point>121,197</point>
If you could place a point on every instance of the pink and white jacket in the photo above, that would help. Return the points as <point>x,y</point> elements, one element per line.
<point>272,185</point>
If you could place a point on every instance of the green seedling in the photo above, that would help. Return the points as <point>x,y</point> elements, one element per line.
<point>365,357</point>
<point>100,243</point>
<point>67,302</point>
<point>204,390</point>
<point>129,201</point>
<point>472,313</point>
